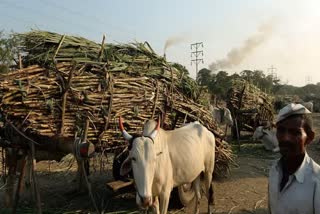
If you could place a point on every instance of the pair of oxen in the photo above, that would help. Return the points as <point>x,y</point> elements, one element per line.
<point>161,160</point>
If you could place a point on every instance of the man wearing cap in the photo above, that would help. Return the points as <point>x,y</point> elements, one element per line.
<point>294,180</point>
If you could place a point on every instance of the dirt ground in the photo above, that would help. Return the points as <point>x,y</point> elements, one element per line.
<point>244,191</point>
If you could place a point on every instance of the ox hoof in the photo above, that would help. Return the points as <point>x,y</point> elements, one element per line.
<point>152,210</point>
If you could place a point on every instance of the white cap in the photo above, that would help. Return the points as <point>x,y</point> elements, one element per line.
<point>291,109</point>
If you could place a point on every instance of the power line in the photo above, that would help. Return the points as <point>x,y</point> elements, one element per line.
<point>196,54</point>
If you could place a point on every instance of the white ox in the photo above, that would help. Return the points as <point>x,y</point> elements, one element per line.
<point>308,105</point>
<point>267,137</point>
<point>222,115</point>
<point>162,160</point>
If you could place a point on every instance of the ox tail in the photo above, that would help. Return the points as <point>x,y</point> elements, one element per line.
<point>186,194</point>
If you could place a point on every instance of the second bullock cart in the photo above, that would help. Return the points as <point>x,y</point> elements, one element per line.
<point>250,107</point>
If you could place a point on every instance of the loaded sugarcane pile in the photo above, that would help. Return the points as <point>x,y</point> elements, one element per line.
<point>249,105</point>
<point>70,83</point>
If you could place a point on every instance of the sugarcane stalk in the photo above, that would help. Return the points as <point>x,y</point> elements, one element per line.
<point>64,99</point>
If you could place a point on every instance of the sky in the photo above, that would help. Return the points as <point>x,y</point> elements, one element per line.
<point>278,37</point>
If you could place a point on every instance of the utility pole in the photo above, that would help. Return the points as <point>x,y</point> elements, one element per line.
<point>195,55</point>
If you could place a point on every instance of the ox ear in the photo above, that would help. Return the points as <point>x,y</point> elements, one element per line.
<point>156,130</point>
<point>126,166</point>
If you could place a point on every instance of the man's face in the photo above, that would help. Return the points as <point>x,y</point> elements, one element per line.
<point>292,137</point>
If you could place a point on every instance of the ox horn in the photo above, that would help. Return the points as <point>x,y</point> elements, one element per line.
<point>156,130</point>
<point>125,134</point>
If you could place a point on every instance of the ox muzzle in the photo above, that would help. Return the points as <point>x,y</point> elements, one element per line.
<point>143,201</point>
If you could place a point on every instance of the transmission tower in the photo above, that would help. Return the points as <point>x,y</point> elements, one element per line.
<point>272,71</point>
<point>308,80</point>
<point>195,55</point>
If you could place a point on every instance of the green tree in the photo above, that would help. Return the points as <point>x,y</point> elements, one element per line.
<point>247,75</point>
<point>222,84</point>
<point>8,51</point>
<point>218,83</point>
<point>267,83</point>
<point>181,68</point>
<point>204,77</point>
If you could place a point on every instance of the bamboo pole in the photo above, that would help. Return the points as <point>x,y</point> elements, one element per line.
<point>20,185</point>
<point>20,61</point>
<point>102,48</point>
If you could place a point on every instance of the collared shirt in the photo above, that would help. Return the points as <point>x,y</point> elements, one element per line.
<point>301,194</point>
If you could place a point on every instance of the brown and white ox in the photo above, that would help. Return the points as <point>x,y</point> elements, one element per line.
<point>162,160</point>
<point>308,105</point>
<point>18,160</point>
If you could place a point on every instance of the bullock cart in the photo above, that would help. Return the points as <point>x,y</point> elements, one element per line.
<point>250,107</point>
<point>71,91</point>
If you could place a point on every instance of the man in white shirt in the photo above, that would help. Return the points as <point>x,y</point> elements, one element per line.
<point>294,180</point>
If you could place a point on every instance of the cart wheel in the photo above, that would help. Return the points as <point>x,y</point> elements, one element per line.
<point>119,158</point>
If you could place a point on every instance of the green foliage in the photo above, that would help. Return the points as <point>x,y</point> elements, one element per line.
<point>264,82</point>
<point>306,93</point>
<point>3,68</point>
<point>219,83</point>
<point>222,84</point>
<point>205,77</point>
<point>8,51</point>
<point>287,90</point>
<point>308,90</point>
<point>181,68</point>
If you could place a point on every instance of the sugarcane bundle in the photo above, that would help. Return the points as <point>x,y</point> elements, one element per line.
<point>70,80</point>
<point>249,105</point>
